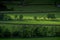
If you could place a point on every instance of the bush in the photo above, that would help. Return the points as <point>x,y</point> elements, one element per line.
<point>58,34</point>
<point>1,30</point>
<point>51,16</point>
<point>35,18</point>
<point>1,16</point>
<point>29,32</point>
<point>21,17</point>
<point>7,33</point>
<point>15,34</point>
<point>3,7</point>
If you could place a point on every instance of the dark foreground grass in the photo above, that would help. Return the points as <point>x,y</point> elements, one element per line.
<point>46,38</point>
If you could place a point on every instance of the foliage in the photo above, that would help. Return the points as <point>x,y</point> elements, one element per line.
<point>1,30</point>
<point>35,18</point>
<point>30,32</point>
<point>6,33</point>
<point>21,17</point>
<point>51,16</point>
<point>1,16</point>
<point>57,34</point>
<point>16,34</point>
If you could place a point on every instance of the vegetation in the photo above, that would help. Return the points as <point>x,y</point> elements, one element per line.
<point>1,16</point>
<point>29,31</point>
<point>27,28</point>
<point>21,17</point>
<point>35,18</point>
<point>24,16</point>
<point>4,7</point>
<point>51,16</point>
<point>6,33</point>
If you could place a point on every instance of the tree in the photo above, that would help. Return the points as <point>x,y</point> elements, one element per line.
<point>22,2</point>
<point>51,16</point>
<point>1,31</point>
<point>16,34</point>
<point>3,7</point>
<point>7,33</point>
<point>35,18</point>
<point>21,17</point>
<point>57,3</point>
<point>57,31</point>
<point>6,17</point>
<point>1,16</point>
<point>15,17</point>
<point>44,31</point>
<point>37,32</point>
<point>57,34</point>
